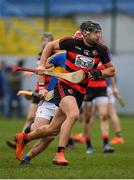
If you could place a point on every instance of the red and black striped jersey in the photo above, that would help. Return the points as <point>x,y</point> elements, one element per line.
<point>80,56</point>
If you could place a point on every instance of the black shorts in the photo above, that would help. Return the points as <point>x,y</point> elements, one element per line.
<point>94,92</point>
<point>63,90</point>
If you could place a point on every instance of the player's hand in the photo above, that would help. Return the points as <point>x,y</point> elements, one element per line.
<point>41,70</point>
<point>43,93</point>
<point>94,74</point>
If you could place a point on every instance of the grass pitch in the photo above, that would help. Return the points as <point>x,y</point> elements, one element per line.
<point>83,166</point>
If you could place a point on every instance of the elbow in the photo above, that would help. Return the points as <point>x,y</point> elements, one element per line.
<point>113,72</point>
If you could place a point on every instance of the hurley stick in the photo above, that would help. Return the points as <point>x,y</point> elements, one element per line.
<point>74,77</point>
<point>48,97</point>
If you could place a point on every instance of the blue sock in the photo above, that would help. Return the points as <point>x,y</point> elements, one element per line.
<point>26,158</point>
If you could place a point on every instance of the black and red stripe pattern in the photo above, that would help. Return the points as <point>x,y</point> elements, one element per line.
<point>79,56</point>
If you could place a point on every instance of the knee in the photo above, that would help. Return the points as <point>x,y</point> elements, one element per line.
<point>104,116</point>
<point>40,130</point>
<point>74,115</point>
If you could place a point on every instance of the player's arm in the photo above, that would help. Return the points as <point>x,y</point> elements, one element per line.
<point>45,55</point>
<point>47,52</point>
<point>108,71</point>
<point>116,92</point>
<point>114,87</point>
<point>49,64</point>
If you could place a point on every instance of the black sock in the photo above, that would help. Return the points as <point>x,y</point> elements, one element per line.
<point>60,149</point>
<point>88,142</point>
<point>70,141</point>
<point>105,140</point>
<point>28,129</point>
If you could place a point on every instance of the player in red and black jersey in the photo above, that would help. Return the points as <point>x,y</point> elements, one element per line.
<point>96,98</point>
<point>84,54</point>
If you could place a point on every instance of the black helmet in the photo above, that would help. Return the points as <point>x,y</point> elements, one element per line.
<point>90,26</point>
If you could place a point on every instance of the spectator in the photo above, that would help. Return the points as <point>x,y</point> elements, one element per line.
<point>4,91</point>
<point>15,84</point>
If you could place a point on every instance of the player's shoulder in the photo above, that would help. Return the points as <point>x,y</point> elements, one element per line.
<point>102,46</point>
<point>68,38</point>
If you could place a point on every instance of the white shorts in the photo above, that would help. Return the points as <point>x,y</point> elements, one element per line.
<point>46,110</point>
<point>111,98</point>
<point>98,101</point>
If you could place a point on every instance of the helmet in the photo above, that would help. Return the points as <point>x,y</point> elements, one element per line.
<point>90,26</point>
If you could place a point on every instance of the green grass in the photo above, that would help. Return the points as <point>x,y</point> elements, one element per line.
<point>84,166</point>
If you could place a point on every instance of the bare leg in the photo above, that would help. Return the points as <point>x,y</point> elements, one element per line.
<point>29,119</point>
<point>103,114</point>
<point>89,118</point>
<point>30,116</point>
<point>69,106</point>
<point>43,143</point>
<point>40,146</point>
<point>114,117</point>
<point>118,139</point>
<point>53,128</point>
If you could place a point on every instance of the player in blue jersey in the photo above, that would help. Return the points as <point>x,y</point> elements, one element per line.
<point>46,110</point>
<point>46,37</point>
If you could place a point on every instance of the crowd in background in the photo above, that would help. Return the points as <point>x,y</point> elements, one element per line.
<point>10,84</point>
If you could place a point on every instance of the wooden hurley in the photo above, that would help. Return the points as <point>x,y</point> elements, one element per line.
<point>48,97</point>
<point>74,77</point>
<point>121,100</point>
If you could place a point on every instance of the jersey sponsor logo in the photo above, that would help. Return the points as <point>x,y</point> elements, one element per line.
<point>84,62</point>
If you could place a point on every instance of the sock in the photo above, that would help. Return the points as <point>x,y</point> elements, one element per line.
<point>88,142</point>
<point>105,139</point>
<point>28,129</point>
<point>26,158</point>
<point>60,149</point>
<point>118,134</point>
<point>70,141</point>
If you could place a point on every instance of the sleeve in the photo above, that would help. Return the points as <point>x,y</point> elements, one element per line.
<point>105,55</point>
<point>66,43</point>
<point>52,83</point>
<point>58,60</point>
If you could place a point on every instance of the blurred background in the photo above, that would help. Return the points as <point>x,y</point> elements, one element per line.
<point>22,23</point>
